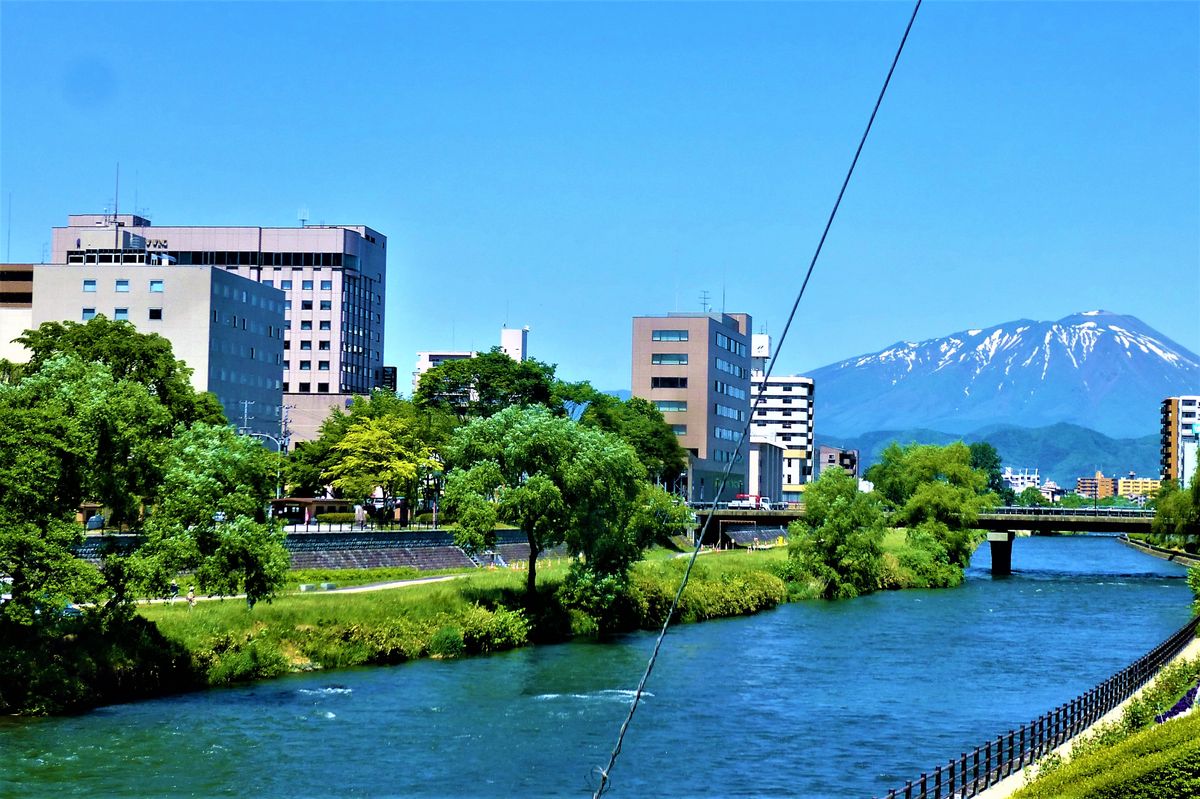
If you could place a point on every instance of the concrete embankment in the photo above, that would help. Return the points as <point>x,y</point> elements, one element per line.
<point>1172,555</point>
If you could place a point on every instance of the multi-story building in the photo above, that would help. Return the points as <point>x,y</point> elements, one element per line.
<point>228,330</point>
<point>333,279</point>
<point>766,468</point>
<point>1133,486</point>
<point>1180,438</point>
<point>16,308</point>
<point>1097,487</point>
<point>844,459</point>
<point>1019,481</point>
<point>783,412</point>
<point>695,368</point>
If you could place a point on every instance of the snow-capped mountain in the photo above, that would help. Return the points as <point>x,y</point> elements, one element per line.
<point>1097,369</point>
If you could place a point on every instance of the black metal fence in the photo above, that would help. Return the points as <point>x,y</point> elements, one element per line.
<point>971,773</point>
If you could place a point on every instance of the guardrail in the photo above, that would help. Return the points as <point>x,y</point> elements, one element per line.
<point>970,774</point>
<point>1042,510</point>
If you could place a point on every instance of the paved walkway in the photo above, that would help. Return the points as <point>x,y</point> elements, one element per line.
<point>353,589</point>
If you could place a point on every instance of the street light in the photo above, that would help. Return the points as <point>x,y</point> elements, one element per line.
<point>278,462</point>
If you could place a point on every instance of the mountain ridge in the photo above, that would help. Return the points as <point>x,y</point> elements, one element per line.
<point>1095,369</point>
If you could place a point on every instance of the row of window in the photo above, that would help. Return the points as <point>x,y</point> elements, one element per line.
<point>669,359</point>
<point>121,286</point>
<point>758,387</point>
<point>668,382</point>
<point>669,335</point>
<point>305,285</point>
<point>730,368</point>
<point>726,343</point>
<point>729,390</point>
<point>306,324</point>
<point>763,412</point>
<point>729,413</point>
<point>725,434</point>
<point>769,401</point>
<point>671,406</point>
<point>721,456</point>
<point>307,305</point>
<point>122,314</point>
<point>306,388</point>
<point>322,366</point>
<point>307,345</point>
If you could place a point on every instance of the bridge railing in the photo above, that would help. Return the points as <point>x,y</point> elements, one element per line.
<point>972,773</point>
<point>1041,510</point>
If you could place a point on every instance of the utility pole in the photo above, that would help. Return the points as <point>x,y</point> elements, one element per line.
<point>246,416</point>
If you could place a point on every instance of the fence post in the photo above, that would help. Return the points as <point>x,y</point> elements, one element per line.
<point>962,773</point>
<point>987,765</point>
<point>950,780</point>
<point>937,782</point>
<point>1008,763</point>
<point>924,786</point>
<point>975,776</point>
<point>908,790</point>
<point>1021,752</point>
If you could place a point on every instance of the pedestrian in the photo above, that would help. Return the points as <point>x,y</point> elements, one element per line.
<point>174,591</point>
<point>191,597</point>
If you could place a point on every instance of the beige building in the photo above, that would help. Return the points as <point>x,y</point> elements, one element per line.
<point>228,330</point>
<point>1131,486</point>
<point>1180,432</point>
<point>1098,487</point>
<point>695,368</point>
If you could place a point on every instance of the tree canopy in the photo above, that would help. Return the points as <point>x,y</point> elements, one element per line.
<point>562,483</point>
<point>486,384</point>
<point>839,540</point>
<point>143,358</point>
<point>641,425</point>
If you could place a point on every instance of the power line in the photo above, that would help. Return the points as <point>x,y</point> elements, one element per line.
<point>606,772</point>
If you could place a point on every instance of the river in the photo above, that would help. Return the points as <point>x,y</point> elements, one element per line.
<point>814,699</point>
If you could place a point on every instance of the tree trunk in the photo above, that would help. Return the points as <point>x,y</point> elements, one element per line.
<point>531,577</point>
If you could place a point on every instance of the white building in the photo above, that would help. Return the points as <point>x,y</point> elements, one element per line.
<point>1019,481</point>
<point>783,414</point>
<point>514,342</point>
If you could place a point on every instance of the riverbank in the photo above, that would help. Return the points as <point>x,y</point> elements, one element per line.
<point>1173,555</point>
<point>1092,741</point>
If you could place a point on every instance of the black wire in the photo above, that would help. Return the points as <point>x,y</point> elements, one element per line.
<point>605,772</point>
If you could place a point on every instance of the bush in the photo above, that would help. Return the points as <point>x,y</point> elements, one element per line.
<point>1159,762</point>
<point>335,518</point>
<point>447,642</point>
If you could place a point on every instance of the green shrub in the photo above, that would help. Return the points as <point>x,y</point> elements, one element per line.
<point>486,630</point>
<point>1163,761</point>
<point>447,642</point>
<point>336,518</point>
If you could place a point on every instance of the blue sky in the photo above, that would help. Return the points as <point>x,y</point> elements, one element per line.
<point>569,166</point>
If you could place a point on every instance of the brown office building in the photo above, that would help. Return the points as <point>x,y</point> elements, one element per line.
<point>695,368</point>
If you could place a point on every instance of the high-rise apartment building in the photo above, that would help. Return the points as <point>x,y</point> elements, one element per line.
<point>1180,438</point>
<point>695,368</point>
<point>1097,487</point>
<point>333,280</point>
<point>783,413</point>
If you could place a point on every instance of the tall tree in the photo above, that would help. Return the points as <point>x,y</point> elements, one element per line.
<point>560,482</point>
<point>986,459</point>
<point>210,517</point>
<point>381,452</point>
<point>641,425</point>
<point>486,384</point>
<point>145,358</point>
<point>839,541</point>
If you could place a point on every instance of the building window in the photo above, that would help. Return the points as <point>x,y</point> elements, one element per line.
<point>306,305</point>
<point>156,314</point>
<point>326,305</point>
<point>287,345</point>
<point>668,382</point>
<point>306,285</point>
<point>323,366</point>
<point>305,366</point>
<point>322,388</point>
<point>671,406</point>
<point>326,285</point>
<point>286,386</point>
<point>324,345</point>
<point>669,335</point>
<point>122,286</point>
<point>306,324</point>
<point>669,358</point>
<point>324,324</point>
<point>287,364</point>
<point>89,313</point>
<point>306,345</point>
<point>286,285</point>
<point>89,285</point>
<point>287,305</point>
<point>270,283</point>
<point>156,287</point>
<point>305,388</point>
<point>679,429</point>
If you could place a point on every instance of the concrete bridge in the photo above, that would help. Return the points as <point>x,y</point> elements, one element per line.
<point>1001,524</point>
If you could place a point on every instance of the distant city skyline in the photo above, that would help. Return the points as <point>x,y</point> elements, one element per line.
<point>571,166</point>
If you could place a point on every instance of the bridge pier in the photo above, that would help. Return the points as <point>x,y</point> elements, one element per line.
<point>1001,544</point>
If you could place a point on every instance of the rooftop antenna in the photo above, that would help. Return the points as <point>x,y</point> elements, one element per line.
<point>116,205</point>
<point>8,246</point>
<point>704,296</point>
<point>45,250</point>
<point>302,214</point>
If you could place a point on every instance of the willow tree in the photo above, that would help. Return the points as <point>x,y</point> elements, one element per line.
<point>560,482</point>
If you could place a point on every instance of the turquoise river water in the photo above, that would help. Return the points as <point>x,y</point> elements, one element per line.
<point>814,699</point>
